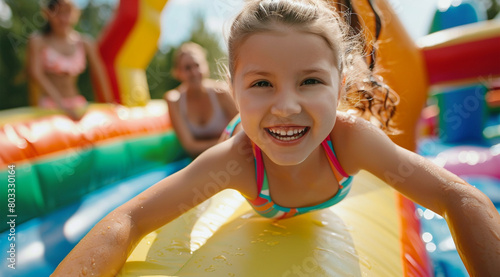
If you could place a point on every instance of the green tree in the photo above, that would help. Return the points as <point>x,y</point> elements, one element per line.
<point>13,40</point>
<point>492,8</point>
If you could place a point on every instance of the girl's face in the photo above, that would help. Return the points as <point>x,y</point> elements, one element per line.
<point>286,86</point>
<point>191,68</point>
<point>63,17</point>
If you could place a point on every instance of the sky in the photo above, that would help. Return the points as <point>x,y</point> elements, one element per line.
<point>217,16</point>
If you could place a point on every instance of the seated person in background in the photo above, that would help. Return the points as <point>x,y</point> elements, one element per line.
<point>199,108</point>
<point>57,56</point>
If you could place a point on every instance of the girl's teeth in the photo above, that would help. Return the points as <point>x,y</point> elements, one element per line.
<point>287,135</point>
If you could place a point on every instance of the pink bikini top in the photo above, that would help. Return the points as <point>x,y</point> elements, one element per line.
<point>56,63</point>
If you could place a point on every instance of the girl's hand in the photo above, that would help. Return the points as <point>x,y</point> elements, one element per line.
<point>104,250</point>
<point>473,219</point>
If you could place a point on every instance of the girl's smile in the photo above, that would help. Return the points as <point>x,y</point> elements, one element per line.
<point>286,85</point>
<point>287,135</point>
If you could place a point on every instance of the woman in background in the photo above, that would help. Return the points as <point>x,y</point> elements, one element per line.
<point>199,108</point>
<point>58,55</point>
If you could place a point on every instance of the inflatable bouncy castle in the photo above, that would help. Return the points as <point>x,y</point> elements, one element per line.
<point>67,175</point>
<point>462,120</point>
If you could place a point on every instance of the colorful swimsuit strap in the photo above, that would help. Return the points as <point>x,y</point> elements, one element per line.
<point>264,205</point>
<point>259,167</point>
<point>337,169</point>
<point>232,125</point>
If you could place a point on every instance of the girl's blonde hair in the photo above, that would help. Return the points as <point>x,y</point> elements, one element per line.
<point>364,92</point>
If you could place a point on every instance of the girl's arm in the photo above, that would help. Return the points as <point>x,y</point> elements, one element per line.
<point>104,250</point>
<point>192,145</point>
<point>97,68</point>
<point>473,220</point>
<point>35,71</point>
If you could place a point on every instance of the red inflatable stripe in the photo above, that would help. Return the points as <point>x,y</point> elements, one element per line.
<point>30,140</point>
<point>113,39</point>
<point>414,255</point>
<point>463,61</point>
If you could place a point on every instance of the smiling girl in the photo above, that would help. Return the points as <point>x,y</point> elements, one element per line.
<point>293,74</point>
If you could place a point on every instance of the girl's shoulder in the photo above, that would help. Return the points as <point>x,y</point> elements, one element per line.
<point>233,159</point>
<point>349,124</point>
<point>239,148</point>
<point>352,136</point>
<point>346,124</point>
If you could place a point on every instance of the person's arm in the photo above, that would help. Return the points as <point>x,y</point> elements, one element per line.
<point>193,146</point>
<point>104,250</point>
<point>473,220</point>
<point>97,68</point>
<point>35,71</point>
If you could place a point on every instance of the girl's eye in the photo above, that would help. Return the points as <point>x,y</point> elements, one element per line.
<point>311,82</point>
<point>261,84</point>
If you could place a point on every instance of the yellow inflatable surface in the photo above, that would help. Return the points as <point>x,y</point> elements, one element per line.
<point>364,235</point>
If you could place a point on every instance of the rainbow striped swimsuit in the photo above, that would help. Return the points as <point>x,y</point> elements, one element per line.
<point>265,206</point>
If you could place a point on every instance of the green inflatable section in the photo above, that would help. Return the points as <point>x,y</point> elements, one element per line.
<point>50,183</point>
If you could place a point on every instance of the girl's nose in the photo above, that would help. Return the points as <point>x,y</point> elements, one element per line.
<point>286,104</point>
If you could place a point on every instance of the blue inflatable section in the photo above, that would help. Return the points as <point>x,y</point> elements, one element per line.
<point>435,231</point>
<point>462,113</point>
<point>453,13</point>
<point>42,243</point>
<point>437,236</point>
